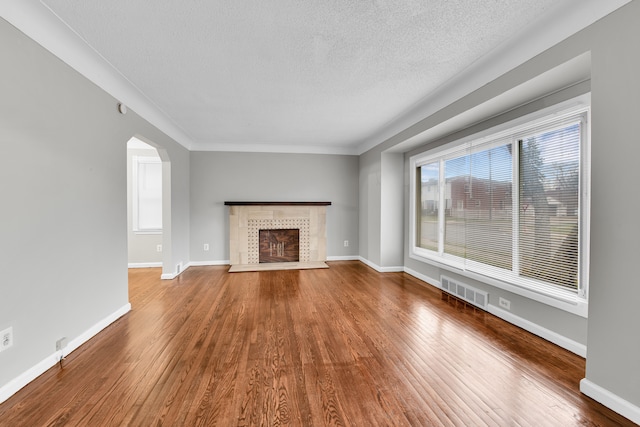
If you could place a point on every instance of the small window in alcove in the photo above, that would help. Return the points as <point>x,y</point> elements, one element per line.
<point>147,194</point>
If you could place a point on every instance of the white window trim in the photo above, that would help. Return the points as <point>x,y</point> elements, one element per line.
<point>564,299</point>
<point>136,160</point>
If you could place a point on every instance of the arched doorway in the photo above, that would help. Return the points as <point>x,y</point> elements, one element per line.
<point>148,204</point>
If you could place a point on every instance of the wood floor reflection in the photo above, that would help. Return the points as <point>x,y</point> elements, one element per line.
<point>343,346</point>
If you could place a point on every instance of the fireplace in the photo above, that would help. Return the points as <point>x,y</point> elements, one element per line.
<point>251,222</point>
<point>279,245</point>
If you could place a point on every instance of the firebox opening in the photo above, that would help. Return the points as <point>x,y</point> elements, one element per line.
<point>281,245</point>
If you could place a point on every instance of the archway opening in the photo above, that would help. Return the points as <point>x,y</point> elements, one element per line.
<point>148,205</point>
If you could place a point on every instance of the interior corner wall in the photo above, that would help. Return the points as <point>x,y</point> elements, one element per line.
<point>217,177</point>
<point>391,210</point>
<point>63,234</point>
<point>370,175</point>
<point>176,190</point>
<point>614,344</point>
<point>381,216</point>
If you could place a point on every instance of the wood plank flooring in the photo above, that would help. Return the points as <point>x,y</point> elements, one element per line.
<point>344,346</point>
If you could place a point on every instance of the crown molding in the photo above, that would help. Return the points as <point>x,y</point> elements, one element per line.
<point>40,24</point>
<point>561,23</point>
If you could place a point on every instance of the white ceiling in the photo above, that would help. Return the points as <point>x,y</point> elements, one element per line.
<point>314,76</point>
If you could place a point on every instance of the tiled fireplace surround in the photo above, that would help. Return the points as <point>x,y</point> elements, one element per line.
<point>246,219</point>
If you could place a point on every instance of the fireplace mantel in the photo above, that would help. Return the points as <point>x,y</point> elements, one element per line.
<point>247,218</point>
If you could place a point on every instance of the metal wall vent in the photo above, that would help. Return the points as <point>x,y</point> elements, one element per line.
<point>465,292</point>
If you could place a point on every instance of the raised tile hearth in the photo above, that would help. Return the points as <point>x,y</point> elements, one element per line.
<point>248,219</point>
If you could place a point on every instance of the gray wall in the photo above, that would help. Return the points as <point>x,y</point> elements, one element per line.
<point>63,241</point>
<point>611,330</point>
<point>391,211</point>
<point>370,196</point>
<point>217,177</point>
<point>63,234</point>
<point>614,317</point>
<point>381,219</point>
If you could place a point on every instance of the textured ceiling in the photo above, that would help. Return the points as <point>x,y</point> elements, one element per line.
<point>315,73</point>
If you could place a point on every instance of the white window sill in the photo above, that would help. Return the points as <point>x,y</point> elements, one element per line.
<point>143,232</point>
<point>559,298</point>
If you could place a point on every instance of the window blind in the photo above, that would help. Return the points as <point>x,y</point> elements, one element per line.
<point>507,206</point>
<point>549,205</point>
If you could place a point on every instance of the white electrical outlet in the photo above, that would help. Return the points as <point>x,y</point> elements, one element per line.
<point>159,248</point>
<point>504,303</point>
<point>346,243</point>
<point>206,246</point>
<point>6,338</point>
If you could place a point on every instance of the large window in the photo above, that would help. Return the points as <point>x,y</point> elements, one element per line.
<point>510,206</point>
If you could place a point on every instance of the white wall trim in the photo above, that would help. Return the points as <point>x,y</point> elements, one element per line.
<point>376,267</point>
<point>549,335</point>
<point>610,400</point>
<point>273,148</point>
<point>569,303</point>
<point>428,280</point>
<point>144,264</point>
<point>182,268</point>
<point>39,23</point>
<point>14,385</point>
<point>205,263</point>
<point>344,258</point>
<point>369,264</point>
<point>562,22</point>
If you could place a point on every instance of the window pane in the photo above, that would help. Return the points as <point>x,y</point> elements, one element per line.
<point>458,194</point>
<point>428,212</point>
<point>549,194</point>
<point>488,213</point>
<point>149,195</point>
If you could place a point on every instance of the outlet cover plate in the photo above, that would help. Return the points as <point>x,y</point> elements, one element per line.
<point>504,303</point>
<point>6,338</point>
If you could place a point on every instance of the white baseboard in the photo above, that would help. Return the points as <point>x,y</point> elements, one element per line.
<point>393,269</point>
<point>145,264</point>
<point>428,280</point>
<point>344,258</point>
<point>610,400</point>
<point>549,335</point>
<point>179,270</point>
<point>9,389</point>
<point>542,332</point>
<point>205,263</point>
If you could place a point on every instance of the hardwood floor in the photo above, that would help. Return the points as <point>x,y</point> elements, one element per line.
<point>343,346</point>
